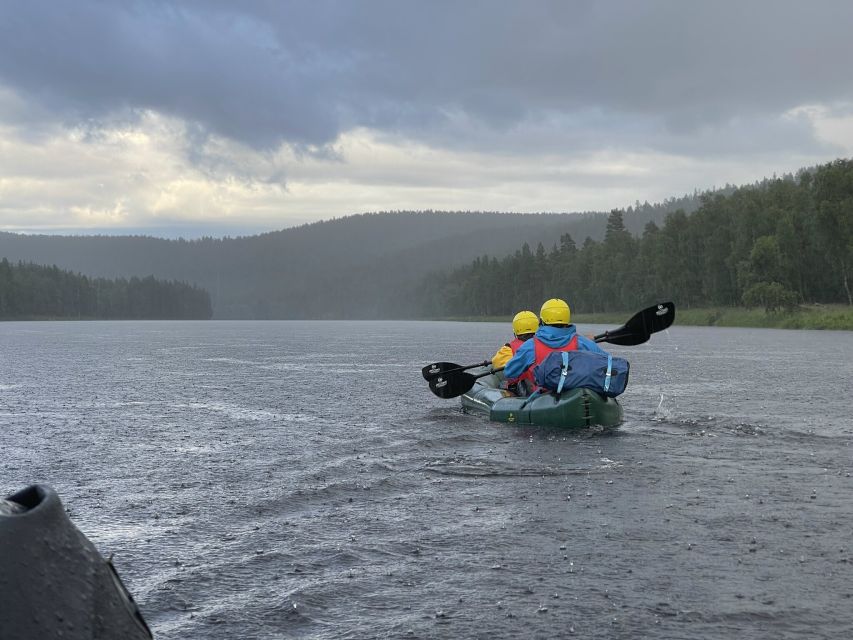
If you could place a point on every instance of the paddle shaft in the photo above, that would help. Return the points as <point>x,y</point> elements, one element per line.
<point>443,368</point>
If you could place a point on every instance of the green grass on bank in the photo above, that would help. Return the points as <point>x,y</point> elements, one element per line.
<point>839,317</point>
<point>836,317</point>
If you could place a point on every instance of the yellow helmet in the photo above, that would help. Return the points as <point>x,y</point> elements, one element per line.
<point>525,322</point>
<point>555,311</point>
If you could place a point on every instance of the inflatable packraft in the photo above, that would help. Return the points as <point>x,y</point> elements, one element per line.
<point>572,409</point>
<point>53,581</point>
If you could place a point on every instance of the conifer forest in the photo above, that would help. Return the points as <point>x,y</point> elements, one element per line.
<point>773,245</point>
<point>29,291</point>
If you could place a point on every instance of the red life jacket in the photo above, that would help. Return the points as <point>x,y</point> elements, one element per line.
<point>540,352</point>
<point>515,344</point>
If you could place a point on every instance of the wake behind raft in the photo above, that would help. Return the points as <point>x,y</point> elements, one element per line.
<point>53,581</point>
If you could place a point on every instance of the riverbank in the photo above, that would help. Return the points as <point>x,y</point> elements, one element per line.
<point>832,317</point>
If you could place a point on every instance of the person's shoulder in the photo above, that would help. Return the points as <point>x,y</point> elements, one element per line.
<point>527,344</point>
<point>524,350</point>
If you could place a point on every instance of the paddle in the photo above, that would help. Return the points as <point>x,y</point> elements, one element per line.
<point>454,381</point>
<point>443,368</point>
<point>641,326</point>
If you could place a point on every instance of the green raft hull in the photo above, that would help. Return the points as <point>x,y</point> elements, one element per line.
<point>573,409</point>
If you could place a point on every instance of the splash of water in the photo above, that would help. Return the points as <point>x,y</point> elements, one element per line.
<point>663,412</point>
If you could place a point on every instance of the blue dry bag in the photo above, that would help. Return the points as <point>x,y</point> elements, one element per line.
<point>563,370</point>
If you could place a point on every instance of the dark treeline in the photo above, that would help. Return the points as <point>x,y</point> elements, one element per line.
<point>35,291</point>
<point>360,266</point>
<point>372,265</point>
<point>774,244</point>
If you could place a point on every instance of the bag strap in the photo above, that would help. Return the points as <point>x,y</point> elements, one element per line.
<point>563,372</point>
<point>607,377</point>
<point>530,398</point>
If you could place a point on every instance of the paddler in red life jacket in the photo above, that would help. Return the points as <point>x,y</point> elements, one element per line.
<point>555,333</point>
<point>524,325</point>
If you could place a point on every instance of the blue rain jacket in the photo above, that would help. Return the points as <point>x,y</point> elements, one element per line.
<point>553,337</point>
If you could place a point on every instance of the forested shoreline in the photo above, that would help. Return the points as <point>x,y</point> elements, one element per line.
<point>31,291</point>
<point>775,246</point>
<point>772,246</point>
<point>355,267</point>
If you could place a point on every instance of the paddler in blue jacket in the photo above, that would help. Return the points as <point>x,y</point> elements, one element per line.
<point>555,333</point>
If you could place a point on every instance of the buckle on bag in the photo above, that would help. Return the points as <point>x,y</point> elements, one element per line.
<point>563,372</point>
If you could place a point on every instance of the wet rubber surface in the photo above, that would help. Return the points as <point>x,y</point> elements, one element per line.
<point>298,480</point>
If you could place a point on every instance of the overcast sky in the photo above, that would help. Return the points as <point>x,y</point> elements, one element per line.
<point>213,116</point>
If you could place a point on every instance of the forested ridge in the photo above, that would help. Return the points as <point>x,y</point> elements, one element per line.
<point>360,266</point>
<point>775,244</point>
<point>36,291</point>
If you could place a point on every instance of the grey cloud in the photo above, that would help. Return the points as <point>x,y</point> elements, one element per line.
<point>267,73</point>
<point>572,135</point>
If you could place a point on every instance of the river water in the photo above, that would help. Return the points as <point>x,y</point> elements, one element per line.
<point>298,480</point>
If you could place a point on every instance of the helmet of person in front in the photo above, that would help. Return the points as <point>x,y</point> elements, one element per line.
<point>555,312</point>
<point>524,323</point>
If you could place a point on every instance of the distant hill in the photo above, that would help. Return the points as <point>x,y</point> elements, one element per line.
<point>360,266</point>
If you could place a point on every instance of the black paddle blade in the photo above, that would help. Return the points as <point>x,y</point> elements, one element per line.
<point>437,368</point>
<point>452,385</point>
<point>653,319</point>
<point>640,327</point>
